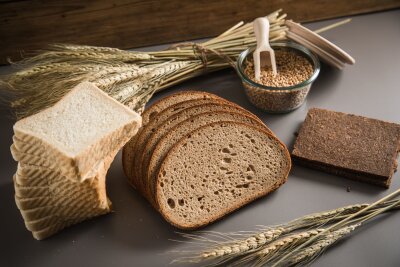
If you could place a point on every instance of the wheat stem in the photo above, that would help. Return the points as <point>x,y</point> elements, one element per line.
<point>247,248</point>
<point>40,81</point>
<point>339,224</point>
<point>312,251</point>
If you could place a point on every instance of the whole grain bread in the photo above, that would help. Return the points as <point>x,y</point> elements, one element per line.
<point>217,169</point>
<point>166,125</point>
<point>180,130</point>
<point>173,99</point>
<point>128,153</point>
<point>152,126</point>
<point>355,147</point>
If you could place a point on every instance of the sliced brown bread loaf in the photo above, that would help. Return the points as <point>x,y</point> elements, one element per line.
<point>217,169</point>
<point>180,130</point>
<point>166,126</point>
<point>152,126</point>
<point>128,153</point>
<point>355,147</point>
<point>173,99</point>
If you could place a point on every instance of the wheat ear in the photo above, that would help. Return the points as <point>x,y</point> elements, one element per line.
<point>272,250</point>
<point>218,252</point>
<point>311,252</point>
<point>224,251</point>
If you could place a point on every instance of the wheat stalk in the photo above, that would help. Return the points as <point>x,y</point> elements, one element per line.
<point>273,250</point>
<point>131,77</point>
<point>272,241</point>
<point>346,220</point>
<point>221,252</point>
<point>313,251</point>
<point>330,216</point>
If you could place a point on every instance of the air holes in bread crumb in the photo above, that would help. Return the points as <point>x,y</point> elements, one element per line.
<point>227,160</point>
<point>181,202</point>
<point>171,203</point>
<point>251,168</point>
<point>243,185</point>
<point>226,150</point>
<point>200,198</point>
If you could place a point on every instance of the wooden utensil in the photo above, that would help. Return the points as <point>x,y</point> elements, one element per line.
<point>264,55</point>
<point>329,52</point>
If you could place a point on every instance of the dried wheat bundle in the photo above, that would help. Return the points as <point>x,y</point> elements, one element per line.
<point>130,77</point>
<point>297,242</point>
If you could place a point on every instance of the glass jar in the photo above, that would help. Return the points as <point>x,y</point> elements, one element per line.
<point>278,99</point>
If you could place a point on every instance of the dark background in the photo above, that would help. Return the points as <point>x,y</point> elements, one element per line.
<point>28,25</point>
<point>136,235</point>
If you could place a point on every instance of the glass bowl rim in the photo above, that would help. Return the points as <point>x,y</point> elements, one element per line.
<point>295,46</point>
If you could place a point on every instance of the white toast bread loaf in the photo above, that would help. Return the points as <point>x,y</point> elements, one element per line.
<point>81,129</point>
<point>64,153</point>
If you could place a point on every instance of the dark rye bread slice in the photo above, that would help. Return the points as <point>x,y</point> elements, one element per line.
<point>217,169</point>
<point>128,153</point>
<point>352,146</point>
<point>152,127</point>
<point>178,131</point>
<point>165,126</point>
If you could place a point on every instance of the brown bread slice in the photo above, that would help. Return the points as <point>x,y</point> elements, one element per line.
<point>352,146</point>
<point>152,126</point>
<point>217,169</point>
<point>128,153</point>
<point>178,131</point>
<point>173,99</point>
<point>166,125</point>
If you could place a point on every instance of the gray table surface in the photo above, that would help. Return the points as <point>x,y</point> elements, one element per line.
<point>136,235</point>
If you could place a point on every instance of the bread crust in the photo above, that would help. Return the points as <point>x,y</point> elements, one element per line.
<point>128,152</point>
<point>230,209</point>
<point>341,143</point>
<point>150,178</point>
<point>152,126</point>
<point>157,106</point>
